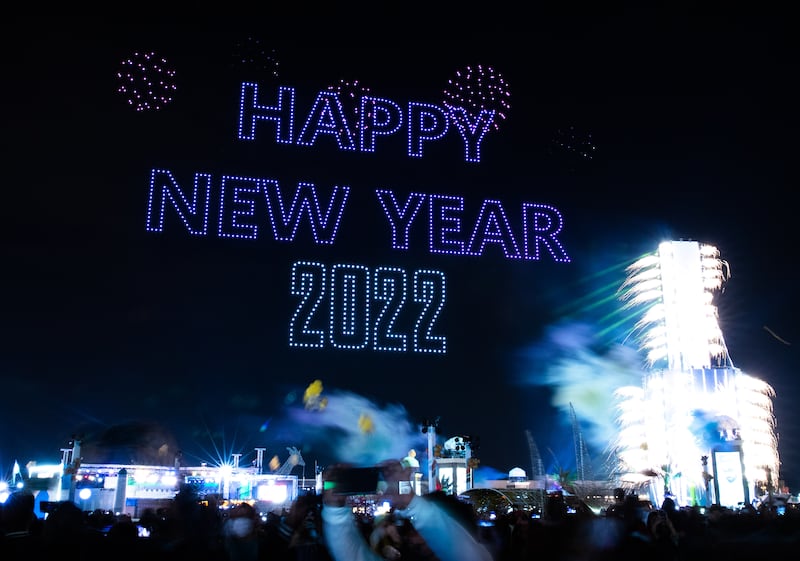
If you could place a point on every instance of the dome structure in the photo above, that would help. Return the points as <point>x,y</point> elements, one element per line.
<point>517,474</point>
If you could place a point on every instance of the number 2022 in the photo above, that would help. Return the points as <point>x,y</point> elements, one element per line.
<point>350,306</point>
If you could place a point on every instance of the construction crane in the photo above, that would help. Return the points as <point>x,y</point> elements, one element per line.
<point>537,468</point>
<point>581,453</point>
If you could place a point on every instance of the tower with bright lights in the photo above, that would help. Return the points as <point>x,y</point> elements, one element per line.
<point>693,404</point>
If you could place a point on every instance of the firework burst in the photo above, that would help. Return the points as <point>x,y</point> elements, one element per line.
<point>350,95</point>
<point>479,90</point>
<point>147,81</point>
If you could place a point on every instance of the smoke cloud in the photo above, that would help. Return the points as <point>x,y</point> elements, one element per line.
<point>569,361</point>
<point>355,429</point>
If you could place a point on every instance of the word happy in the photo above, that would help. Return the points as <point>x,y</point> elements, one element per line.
<point>423,122</point>
<point>306,207</point>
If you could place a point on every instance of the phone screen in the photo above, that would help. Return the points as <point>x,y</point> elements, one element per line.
<point>358,481</point>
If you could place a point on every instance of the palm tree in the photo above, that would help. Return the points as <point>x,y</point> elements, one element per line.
<point>564,478</point>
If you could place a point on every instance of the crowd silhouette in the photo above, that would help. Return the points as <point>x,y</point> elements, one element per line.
<point>195,529</point>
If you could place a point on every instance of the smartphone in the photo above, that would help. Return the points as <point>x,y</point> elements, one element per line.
<point>357,481</point>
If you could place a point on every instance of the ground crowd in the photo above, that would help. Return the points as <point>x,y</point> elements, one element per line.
<point>201,531</point>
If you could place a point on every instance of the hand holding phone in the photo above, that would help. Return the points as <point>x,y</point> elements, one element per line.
<point>398,488</point>
<point>357,481</point>
<point>390,479</point>
<point>329,482</point>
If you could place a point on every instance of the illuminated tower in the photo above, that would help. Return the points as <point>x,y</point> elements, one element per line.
<point>680,325</point>
<point>692,402</point>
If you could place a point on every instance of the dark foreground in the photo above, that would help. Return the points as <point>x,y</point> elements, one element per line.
<point>199,531</point>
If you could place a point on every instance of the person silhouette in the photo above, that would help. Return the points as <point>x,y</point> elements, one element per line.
<point>440,527</point>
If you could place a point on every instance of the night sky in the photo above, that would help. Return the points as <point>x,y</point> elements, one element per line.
<point>636,131</point>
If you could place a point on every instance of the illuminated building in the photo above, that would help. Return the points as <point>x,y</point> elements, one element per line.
<point>697,428</point>
<point>131,489</point>
<point>455,464</point>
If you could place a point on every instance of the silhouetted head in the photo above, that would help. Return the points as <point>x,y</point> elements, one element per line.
<point>17,513</point>
<point>668,505</point>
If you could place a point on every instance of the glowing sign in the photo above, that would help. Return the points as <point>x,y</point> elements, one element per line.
<point>424,122</point>
<point>729,481</point>
<point>345,295</point>
<point>241,197</point>
<point>273,493</point>
<point>347,305</point>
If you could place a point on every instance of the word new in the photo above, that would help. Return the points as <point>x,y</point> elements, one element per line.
<point>423,122</point>
<point>240,199</point>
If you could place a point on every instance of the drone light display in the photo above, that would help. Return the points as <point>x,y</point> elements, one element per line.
<point>147,81</point>
<point>352,306</point>
<point>693,404</point>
